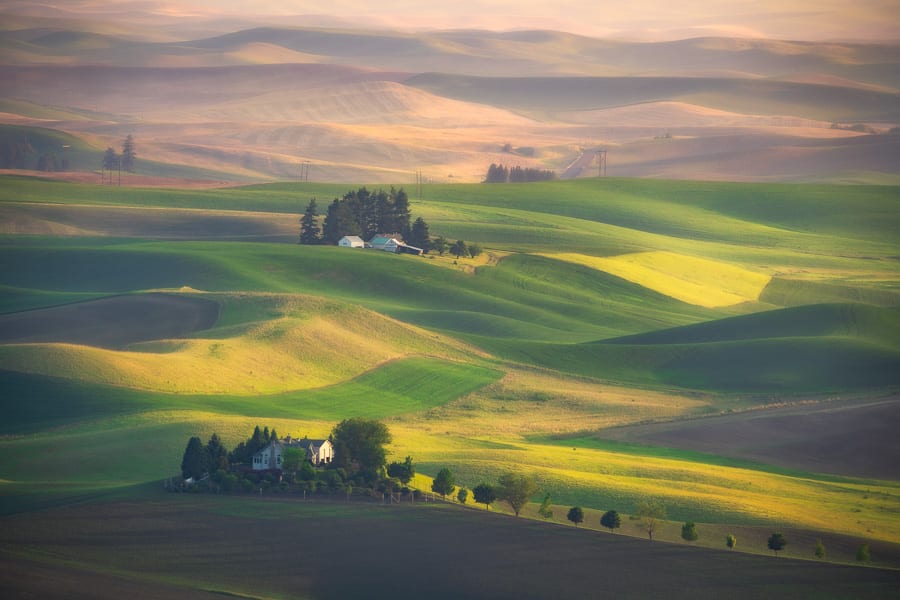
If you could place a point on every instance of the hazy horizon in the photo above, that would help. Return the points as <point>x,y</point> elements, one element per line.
<point>805,20</point>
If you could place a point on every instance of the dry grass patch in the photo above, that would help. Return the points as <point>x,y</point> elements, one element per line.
<point>528,403</point>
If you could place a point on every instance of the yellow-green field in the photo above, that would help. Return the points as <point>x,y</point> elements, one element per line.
<point>596,305</point>
<point>687,278</point>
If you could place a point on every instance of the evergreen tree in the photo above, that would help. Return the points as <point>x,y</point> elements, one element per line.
<point>128,154</point>
<point>218,454</point>
<point>195,462</point>
<point>309,226</point>
<point>419,236</point>
<point>110,160</point>
<point>546,510</point>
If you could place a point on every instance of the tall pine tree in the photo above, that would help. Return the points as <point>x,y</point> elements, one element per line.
<point>309,225</point>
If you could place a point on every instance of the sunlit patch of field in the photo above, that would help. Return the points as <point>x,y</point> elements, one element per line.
<point>310,343</point>
<point>690,279</point>
<point>600,479</point>
<point>527,402</point>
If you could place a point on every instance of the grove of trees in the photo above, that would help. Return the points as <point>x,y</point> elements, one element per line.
<point>502,174</point>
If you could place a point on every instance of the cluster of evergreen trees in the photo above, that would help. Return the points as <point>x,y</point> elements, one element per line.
<point>363,213</point>
<point>125,161</point>
<point>502,174</point>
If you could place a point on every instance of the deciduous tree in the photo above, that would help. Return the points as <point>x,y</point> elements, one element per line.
<point>484,493</point>
<point>576,515</point>
<point>443,482</point>
<point>462,495</point>
<point>650,513</point>
<point>359,446</point>
<point>730,541</point>
<point>689,532</point>
<point>777,542</point>
<point>459,249</point>
<point>517,490</point>
<point>820,550</point>
<point>611,520</point>
<point>863,554</point>
<point>403,471</point>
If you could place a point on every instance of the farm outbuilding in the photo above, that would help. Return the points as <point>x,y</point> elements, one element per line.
<point>388,244</point>
<point>351,241</point>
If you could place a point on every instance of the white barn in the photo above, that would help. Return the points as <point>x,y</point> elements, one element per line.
<point>351,241</point>
<point>388,244</point>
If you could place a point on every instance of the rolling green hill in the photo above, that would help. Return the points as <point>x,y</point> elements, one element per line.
<point>479,365</point>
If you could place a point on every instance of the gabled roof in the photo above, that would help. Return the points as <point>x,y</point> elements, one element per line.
<point>306,443</point>
<point>353,238</point>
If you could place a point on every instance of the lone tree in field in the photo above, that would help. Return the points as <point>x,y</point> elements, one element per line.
<point>309,226</point>
<point>546,509</point>
<point>443,482</point>
<point>517,490</point>
<point>611,520</point>
<point>820,550</point>
<point>689,532</point>
<point>484,493</point>
<point>650,512</point>
<point>777,542</point>
<point>403,471</point>
<point>128,154</point>
<point>576,515</point>
<point>359,446</point>
<point>195,462</point>
<point>730,541</point>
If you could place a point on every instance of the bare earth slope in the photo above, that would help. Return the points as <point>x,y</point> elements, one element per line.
<point>854,438</point>
<point>113,322</point>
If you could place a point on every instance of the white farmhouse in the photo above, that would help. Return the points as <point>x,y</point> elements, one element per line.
<point>351,241</point>
<point>271,457</point>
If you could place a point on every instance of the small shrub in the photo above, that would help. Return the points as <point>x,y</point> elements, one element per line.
<point>730,541</point>
<point>862,554</point>
<point>820,549</point>
<point>689,532</point>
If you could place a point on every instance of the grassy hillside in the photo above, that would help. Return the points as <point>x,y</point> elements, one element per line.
<point>597,303</point>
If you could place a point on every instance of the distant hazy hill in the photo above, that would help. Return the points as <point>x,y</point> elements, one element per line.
<point>380,105</point>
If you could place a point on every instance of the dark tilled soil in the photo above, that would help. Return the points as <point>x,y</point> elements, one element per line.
<point>853,438</point>
<point>289,548</point>
<point>113,322</point>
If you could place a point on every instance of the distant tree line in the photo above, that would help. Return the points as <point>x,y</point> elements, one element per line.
<point>365,214</point>
<point>502,174</point>
<point>18,153</point>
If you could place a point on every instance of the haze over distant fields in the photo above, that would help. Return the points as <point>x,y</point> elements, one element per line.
<point>818,20</point>
<point>379,95</point>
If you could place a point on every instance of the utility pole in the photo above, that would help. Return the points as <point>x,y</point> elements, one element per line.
<point>304,171</point>
<point>601,163</point>
<point>420,181</point>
